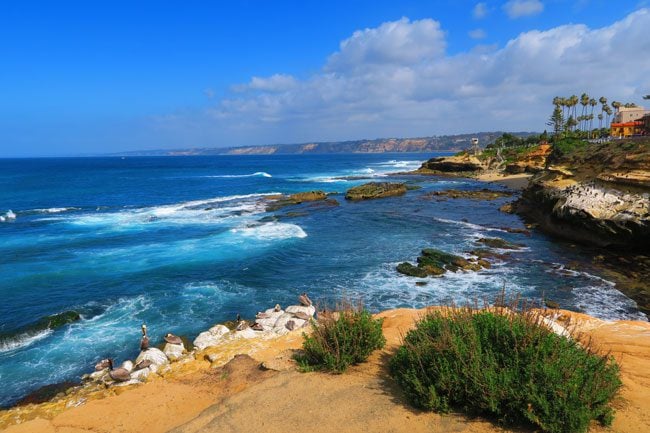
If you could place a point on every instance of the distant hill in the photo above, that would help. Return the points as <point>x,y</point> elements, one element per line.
<point>379,145</point>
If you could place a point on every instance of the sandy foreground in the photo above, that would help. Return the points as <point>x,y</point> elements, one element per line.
<point>198,396</point>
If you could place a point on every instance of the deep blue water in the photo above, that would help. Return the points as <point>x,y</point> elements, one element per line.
<point>183,243</point>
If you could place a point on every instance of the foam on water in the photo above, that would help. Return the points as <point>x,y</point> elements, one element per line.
<point>23,340</point>
<point>271,231</point>
<point>236,176</point>
<point>607,303</point>
<point>208,211</point>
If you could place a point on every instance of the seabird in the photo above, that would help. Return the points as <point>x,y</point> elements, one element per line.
<point>304,300</point>
<point>103,364</point>
<point>173,339</point>
<point>119,374</point>
<point>144,342</point>
<point>142,364</point>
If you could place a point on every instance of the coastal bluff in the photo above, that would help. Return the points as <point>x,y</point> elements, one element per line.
<point>237,395</point>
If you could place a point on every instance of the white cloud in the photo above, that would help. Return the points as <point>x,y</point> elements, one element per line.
<point>523,8</point>
<point>397,80</point>
<point>477,34</point>
<point>480,11</point>
<point>397,42</point>
<point>274,83</point>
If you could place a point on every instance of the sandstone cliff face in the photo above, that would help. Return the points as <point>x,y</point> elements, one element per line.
<point>599,194</point>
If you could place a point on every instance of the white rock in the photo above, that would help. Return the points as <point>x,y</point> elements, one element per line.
<point>156,356</point>
<point>245,333</point>
<point>556,327</point>
<point>141,375</point>
<point>310,311</point>
<point>268,323</point>
<point>173,351</point>
<point>98,375</point>
<point>127,365</point>
<point>272,311</point>
<point>211,337</point>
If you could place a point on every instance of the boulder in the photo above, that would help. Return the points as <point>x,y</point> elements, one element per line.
<point>499,243</point>
<point>374,190</point>
<point>127,365</point>
<point>308,310</point>
<point>211,337</point>
<point>156,356</point>
<point>434,262</point>
<point>244,333</point>
<point>173,351</point>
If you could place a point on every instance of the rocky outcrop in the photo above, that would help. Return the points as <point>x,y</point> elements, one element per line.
<point>482,194</point>
<point>375,190</point>
<point>211,337</point>
<point>453,164</point>
<point>434,262</point>
<point>598,194</point>
<point>278,202</point>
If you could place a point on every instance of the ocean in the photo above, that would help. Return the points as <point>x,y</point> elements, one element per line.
<point>182,243</point>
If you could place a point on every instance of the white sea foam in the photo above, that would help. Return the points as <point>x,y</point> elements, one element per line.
<point>470,225</point>
<point>23,340</point>
<point>271,231</point>
<point>56,209</point>
<point>208,211</point>
<point>9,216</point>
<point>234,176</point>
<point>605,302</point>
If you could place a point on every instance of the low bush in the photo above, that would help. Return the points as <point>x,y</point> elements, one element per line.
<point>341,339</point>
<point>505,365</point>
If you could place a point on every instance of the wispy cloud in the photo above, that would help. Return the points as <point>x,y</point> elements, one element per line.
<point>477,34</point>
<point>480,11</point>
<point>523,8</point>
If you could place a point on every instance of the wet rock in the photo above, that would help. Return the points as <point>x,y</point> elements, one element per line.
<point>374,190</point>
<point>499,243</point>
<point>507,208</point>
<point>211,337</point>
<point>434,262</point>
<point>294,199</point>
<point>482,194</point>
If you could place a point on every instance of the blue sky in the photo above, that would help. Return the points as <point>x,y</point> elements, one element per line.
<point>101,77</point>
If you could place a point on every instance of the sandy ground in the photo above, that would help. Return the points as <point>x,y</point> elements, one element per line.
<point>512,181</point>
<point>241,397</point>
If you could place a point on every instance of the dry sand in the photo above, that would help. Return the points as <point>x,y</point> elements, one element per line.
<point>241,397</point>
<point>512,181</point>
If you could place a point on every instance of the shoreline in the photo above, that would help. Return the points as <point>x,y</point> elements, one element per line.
<point>193,393</point>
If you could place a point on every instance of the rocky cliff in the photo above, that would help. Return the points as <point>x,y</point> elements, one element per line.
<point>597,194</point>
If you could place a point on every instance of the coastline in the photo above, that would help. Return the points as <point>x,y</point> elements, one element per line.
<point>232,393</point>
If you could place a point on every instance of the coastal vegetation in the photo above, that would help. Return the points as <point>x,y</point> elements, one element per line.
<point>340,339</point>
<point>506,365</point>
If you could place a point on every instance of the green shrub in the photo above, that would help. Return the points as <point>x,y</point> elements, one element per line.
<point>506,366</point>
<point>341,339</point>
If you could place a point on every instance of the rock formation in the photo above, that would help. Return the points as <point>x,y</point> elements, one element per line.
<point>598,194</point>
<point>375,190</point>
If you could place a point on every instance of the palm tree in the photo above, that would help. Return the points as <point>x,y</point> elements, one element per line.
<point>584,101</point>
<point>600,121</point>
<point>608,110</point>
<point>592,103</point>
<point>573,102</point>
